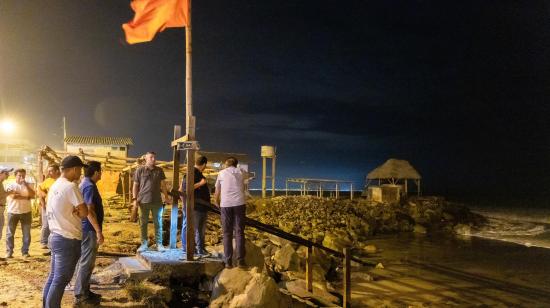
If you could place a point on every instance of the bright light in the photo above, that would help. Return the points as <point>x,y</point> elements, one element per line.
<point>7,127</point>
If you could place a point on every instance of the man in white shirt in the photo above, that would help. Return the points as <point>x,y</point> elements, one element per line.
<point>230,197</point>
<point>19,198</point>
<point>65,211</point>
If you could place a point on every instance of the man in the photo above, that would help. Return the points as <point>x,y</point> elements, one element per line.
<point>202,195</point>
<point>53,174</point>
<point>148,184</point>
<point>92,235</point>
<point>19,198</point>
<point>65,210</point>
<point>230,191</point>
<point>4,174</point>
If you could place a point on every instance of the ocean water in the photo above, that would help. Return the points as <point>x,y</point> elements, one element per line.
<point>522,225</point>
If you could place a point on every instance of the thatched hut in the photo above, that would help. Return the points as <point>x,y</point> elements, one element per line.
<point>394,173</point>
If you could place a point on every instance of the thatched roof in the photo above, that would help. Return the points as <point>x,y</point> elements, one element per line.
<point>396,169</point>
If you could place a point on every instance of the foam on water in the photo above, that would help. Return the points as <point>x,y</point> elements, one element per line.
<point>526,227</point>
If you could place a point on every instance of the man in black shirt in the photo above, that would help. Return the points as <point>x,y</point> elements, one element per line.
<point>202,195</point>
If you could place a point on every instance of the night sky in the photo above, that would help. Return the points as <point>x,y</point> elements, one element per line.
<point>460,89</point>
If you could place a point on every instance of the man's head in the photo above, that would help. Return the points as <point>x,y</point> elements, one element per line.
<point>200,162</point>
<point>231,162</point>
<point>72,167</point>
<point>5,173</point>
<point>150,159</point>
<point>93,171</point>
<point>20,176</point>
<point>53,171</point>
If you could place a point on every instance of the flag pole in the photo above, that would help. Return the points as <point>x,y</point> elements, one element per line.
<point>190,131</point>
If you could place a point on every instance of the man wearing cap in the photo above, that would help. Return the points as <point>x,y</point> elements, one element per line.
<point>19,198</point>
<point>148,184</point>
<point>43,188</point>
<point>4,174</point>
<point>65,212</point>
<point>92,235</point>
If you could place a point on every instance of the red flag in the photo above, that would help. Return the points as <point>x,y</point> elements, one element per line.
<point>153,16</point>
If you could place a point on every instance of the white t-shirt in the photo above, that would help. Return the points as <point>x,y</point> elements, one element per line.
<point>18,206</point>
<point>230,184</point>
<point>63,197</point>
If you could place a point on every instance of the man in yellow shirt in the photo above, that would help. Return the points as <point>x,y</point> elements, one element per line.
<point>51,177</point>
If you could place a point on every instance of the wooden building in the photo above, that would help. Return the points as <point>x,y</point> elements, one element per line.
<point>98,145</point>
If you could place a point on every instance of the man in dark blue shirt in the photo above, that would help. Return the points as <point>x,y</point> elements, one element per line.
<point>92,235</point>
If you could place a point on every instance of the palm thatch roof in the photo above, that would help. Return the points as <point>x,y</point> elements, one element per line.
<point>394,169</point>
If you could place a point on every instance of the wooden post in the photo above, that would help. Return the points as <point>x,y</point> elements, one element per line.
<point>337,192</point>
<point>406,187</point>
<point>286,188</point>
<point>123,182</point>
<point>351,191</point>
<point>175,186</point>
<point>347,278</point>
<point>130,188</point>
<point>190,131</point>
<point>309,269</point>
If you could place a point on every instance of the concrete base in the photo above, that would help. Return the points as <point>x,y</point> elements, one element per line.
<point>170,263</point>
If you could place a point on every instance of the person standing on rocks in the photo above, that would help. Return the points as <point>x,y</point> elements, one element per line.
<point>230,196</point>
<point>202,195</point>
<point>43,188</point>
<point>65,212</point>
<point>149,181</point>
<point>92,235</point>
<point>4,174</point>
<point>19,198</point>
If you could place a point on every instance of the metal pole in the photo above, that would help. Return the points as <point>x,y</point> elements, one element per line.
<point>190,131</point>
<point>263,175</point>
<point>273,176</point>
<point>351,191</point>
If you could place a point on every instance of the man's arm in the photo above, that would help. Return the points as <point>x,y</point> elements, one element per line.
<point>42,194</point>
<point>81,210</point>
<point>31,192</point>
<point>92,217</point>
<point>200,183</point>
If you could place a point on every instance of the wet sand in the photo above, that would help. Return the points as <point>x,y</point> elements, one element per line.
<point>422,271</point>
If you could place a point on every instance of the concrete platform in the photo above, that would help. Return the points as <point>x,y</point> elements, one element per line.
<point>169,264</point>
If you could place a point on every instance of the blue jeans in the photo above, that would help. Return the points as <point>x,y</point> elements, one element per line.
<point>45,230</point>
<point>2,210</point>
<point>86,264</point>
<point>13,219</point>
<point>199,224</point>
<point>65,255</point>
<point>156,210</point>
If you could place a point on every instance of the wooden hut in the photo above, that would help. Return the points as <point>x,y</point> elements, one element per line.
<point>389,181</point>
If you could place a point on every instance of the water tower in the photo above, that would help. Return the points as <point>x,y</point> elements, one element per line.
<point>268,152</point>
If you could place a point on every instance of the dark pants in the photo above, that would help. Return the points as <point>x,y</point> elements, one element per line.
<point>86,264</point>
<point>200,226</point>
<point>13,220</point>
<point>65,255</point>
<point>233,221</point>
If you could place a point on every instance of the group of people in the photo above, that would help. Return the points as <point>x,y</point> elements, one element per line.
<point>149,183</point>
<point>72,217</point>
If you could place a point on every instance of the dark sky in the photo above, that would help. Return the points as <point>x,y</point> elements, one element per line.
<point>460,89</point>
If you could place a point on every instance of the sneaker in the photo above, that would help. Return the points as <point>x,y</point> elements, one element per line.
<point>86,301</point>
<point>203,253</point>
<point>142,248</point>
<point>69,287</point>
<point>26,255</point>
<point>44,246</point>
<point>228,266</point>
<point>241,264</point>
<point>160,247</point>
<point>94,295</point>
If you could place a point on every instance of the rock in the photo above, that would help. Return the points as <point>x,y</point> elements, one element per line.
<point>298,287</point>
<point>162,293</point>
<point>419,229</point>
<point>337,240</point>
<point>286,259</point>
<point>462,229</point>
<point>379,266</point>
<point>239,288</point>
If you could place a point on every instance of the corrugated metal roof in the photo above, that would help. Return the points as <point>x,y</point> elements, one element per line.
<point>99,140</point>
